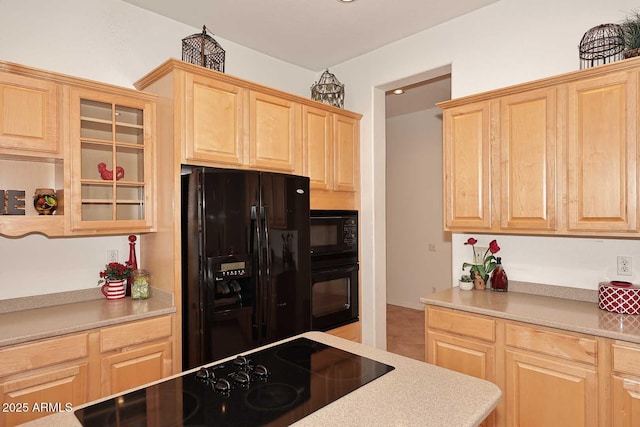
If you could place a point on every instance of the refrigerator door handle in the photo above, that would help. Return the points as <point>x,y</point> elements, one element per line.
<point>258,313</point>
<point>267,280</point>
<point>265,218</point>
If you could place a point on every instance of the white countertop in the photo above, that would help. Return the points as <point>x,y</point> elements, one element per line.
<point>561,313</point>
<point>413,394</point>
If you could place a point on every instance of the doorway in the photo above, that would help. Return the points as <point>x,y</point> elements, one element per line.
<point>418,251</point>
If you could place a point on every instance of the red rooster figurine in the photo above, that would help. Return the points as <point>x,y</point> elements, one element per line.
<point>107,174</point>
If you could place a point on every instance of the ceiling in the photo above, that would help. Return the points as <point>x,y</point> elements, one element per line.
<point>418,97</point>
<point>313,34</point>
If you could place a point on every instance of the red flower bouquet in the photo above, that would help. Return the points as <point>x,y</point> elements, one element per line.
<point>115,271</point>
<point>481,268</point>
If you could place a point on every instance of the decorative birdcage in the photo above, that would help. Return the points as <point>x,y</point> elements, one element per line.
<point>201,49</point>
<point>328,90</point>
<point>601,45</point>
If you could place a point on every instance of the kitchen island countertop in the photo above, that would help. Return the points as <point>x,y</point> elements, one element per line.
<point>560,313</point>
<point>413,394</point>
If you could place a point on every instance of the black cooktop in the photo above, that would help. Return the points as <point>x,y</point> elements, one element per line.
<point>272,387</point>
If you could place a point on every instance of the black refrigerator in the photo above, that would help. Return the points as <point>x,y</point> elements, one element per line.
<point>245,261</point>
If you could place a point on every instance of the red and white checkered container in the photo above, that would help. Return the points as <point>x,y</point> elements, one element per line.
<point>619,297</point>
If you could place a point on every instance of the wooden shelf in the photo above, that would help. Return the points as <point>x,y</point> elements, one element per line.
<point>21,225</point>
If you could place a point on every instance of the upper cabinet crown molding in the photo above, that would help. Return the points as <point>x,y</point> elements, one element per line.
<point>173,64</point>
<point>563,156</point>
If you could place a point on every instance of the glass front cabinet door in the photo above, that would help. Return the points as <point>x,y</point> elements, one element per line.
<point>112,162</point>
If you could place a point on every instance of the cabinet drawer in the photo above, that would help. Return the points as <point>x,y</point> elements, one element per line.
<point>565,345</point>
<point>43,353</point>
<point>461,323</point>
<point>626,358</point>
<point>134,333</point>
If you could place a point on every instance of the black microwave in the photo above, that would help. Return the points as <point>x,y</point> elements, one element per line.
<point>333,233</point>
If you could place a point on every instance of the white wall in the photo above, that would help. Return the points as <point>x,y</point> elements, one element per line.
<point>506,43</point>
<point>113,42</point>
<point>418,250</point>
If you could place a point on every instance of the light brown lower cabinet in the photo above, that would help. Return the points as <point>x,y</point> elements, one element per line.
<point>42,377</point>
<point>351,332</point>
<point>463,343</point>
<point>58,374</point>
<point>548,376</point>
<point>625,384</point>
<point>544,391</point>
<point>134,354</point>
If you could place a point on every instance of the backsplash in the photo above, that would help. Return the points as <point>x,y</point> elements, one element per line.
<point>36,265</point>
<point>572,262</point>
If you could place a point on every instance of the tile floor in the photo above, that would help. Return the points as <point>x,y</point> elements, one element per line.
<point>405,331</point>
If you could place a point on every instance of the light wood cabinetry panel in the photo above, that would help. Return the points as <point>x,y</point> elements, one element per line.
<point>625,384</point>
<point>563,156</point>
<point>213,120</point>
<point>352,331</point>
<point>546,391</point>
<point>331,158</point>
<point>53,389</point>
<point>274,133</point>
<point>528,135</point>
<point>70,125</point>
<point>625,401</point>
<point>112,178</point>
<point>602,153</point>
<point>346,155</point>
<point>463,343</point>
<point>317,137</point>
<point>463,355</point>
<point>134,333</point>
<point>467,142</point>
<point>132,368</point>
<point>547,376</point>
<point>136,353</point>
<point>29,111</point>
<point>51,374</point>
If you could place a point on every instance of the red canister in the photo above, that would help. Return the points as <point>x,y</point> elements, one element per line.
<point>619,297</point>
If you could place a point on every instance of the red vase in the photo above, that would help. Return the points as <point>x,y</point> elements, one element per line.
<point>499,281</point>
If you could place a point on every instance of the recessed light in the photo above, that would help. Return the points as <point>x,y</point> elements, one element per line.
<point>346,1</point>
<point>398,91</point>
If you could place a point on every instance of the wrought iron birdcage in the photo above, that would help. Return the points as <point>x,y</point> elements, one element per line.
<point>202,49</point>
<point>328,90</point>
<point>601,45</point>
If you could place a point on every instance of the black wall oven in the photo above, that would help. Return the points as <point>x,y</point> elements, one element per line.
<point>334,268</point>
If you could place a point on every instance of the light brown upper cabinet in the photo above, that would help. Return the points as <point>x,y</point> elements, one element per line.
<point>602,153</point>
<point>55,131</point>
<point>331,157</point>
<point>29,111</point>
<point>528,135</point>
<point>467,142</point>
<point>563,156</point>
<point>112,166</point>
<point>213,120</point>
<point>317,135</point>
<point>346,165</point>
<point>274,133</point>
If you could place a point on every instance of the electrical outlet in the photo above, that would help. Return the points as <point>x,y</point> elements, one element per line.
<point>624,265</point>
<point>432,247</point>
<point>478,254</point>
<point>112,255</point>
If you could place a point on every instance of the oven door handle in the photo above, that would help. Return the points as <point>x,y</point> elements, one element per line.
<point>342,269</point>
